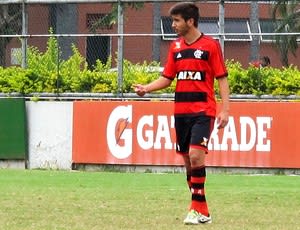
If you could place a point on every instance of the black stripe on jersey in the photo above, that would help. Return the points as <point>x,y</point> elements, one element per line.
<point>190,96</point>
<point>191,53</point>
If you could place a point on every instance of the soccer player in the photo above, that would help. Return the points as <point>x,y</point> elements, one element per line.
<point>196,60</point>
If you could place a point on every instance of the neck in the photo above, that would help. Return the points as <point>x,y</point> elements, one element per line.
<point>192,36</point>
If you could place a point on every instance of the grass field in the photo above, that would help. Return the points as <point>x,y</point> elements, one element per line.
<point>37,199</point>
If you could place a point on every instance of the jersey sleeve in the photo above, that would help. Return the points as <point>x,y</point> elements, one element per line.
<point>217,62</point>
<point>170,68</point>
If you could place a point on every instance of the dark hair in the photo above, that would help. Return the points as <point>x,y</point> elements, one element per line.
<point>265,61</point>
<point>187,10</point>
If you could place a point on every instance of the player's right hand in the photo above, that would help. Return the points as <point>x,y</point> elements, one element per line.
<point>139,89</point>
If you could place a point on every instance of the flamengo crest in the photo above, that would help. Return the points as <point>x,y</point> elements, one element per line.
<point>198,54</point>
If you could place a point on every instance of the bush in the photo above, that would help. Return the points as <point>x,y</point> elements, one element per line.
<point>259,81</point>
<point>73,75</point>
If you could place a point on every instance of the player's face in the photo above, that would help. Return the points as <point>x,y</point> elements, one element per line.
<point>180,26</point>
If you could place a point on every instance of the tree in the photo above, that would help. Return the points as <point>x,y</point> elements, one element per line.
<point>111,18</point>
<point>286,16</point>
<point>156,30</point>
<point>254,26</point>
<point>10,23</point>
<point>63,19</point>
<point>108,20</point>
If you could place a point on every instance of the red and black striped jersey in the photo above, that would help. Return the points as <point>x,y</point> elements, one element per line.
<point>195,66</point>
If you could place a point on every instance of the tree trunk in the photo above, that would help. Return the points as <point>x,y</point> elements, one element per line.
<point>2,51</point>
<point>283,49</point>
<point>254,27</point>
<point>156,30</point>
<point>66,23</point>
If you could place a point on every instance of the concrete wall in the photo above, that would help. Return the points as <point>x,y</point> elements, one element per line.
<point>49,134</point>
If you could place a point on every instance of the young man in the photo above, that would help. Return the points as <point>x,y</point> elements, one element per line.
<point>195,60</point>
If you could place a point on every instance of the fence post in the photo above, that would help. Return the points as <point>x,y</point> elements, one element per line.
<point>24,33</point>
<point>254,27</point>
<point>222,24</point>
<point>120,47</point>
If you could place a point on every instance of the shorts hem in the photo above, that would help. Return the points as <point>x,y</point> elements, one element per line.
<point>199,147</point>
<point>182,153</point>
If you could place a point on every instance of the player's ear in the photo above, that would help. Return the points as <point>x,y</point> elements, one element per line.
<point>190,22</point>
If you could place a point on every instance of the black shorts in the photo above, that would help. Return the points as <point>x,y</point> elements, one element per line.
<point>193,132</point>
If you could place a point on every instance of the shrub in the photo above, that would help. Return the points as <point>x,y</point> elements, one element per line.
<point>47,73</point>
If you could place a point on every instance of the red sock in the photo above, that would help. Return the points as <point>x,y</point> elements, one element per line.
<point>198,178</point>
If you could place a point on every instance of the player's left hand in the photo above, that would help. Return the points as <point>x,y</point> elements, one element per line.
<point>222,119</point>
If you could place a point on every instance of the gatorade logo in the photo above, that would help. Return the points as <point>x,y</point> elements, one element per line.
<point>119,135</point>
<point>242,134</point>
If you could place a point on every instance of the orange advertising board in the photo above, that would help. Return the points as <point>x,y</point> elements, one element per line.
<point>259,134</point>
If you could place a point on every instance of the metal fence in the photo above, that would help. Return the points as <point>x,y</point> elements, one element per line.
<point>132,30</point>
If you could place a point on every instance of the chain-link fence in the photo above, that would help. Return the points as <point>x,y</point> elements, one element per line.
<point>135,31</point>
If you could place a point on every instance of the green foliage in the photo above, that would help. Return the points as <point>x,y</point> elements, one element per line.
<point>143,73</point>
<point>286,14</point>
<point>245,81</point>
<point>283,82</point>
<point>258,81</point>
<point>105,80</point>
<point>47,73</point>
<point>44,67</point>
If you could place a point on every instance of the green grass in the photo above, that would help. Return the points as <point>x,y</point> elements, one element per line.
<point>34,199</point>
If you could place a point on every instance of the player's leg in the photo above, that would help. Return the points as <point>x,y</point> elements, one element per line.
<point>188,169</point>
<point>200,134</point>
<point>183,136</point>
<point>198,179</point>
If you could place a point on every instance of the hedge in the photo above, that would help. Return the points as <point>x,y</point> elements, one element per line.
<point>42,75</point>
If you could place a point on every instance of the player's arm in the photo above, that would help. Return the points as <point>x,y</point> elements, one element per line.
<point>222,118</point>
<point>160,83</point>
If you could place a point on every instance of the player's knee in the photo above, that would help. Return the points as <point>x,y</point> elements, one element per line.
<point>197,157</point>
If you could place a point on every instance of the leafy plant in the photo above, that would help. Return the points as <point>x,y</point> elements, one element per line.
<point>47,73</point>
